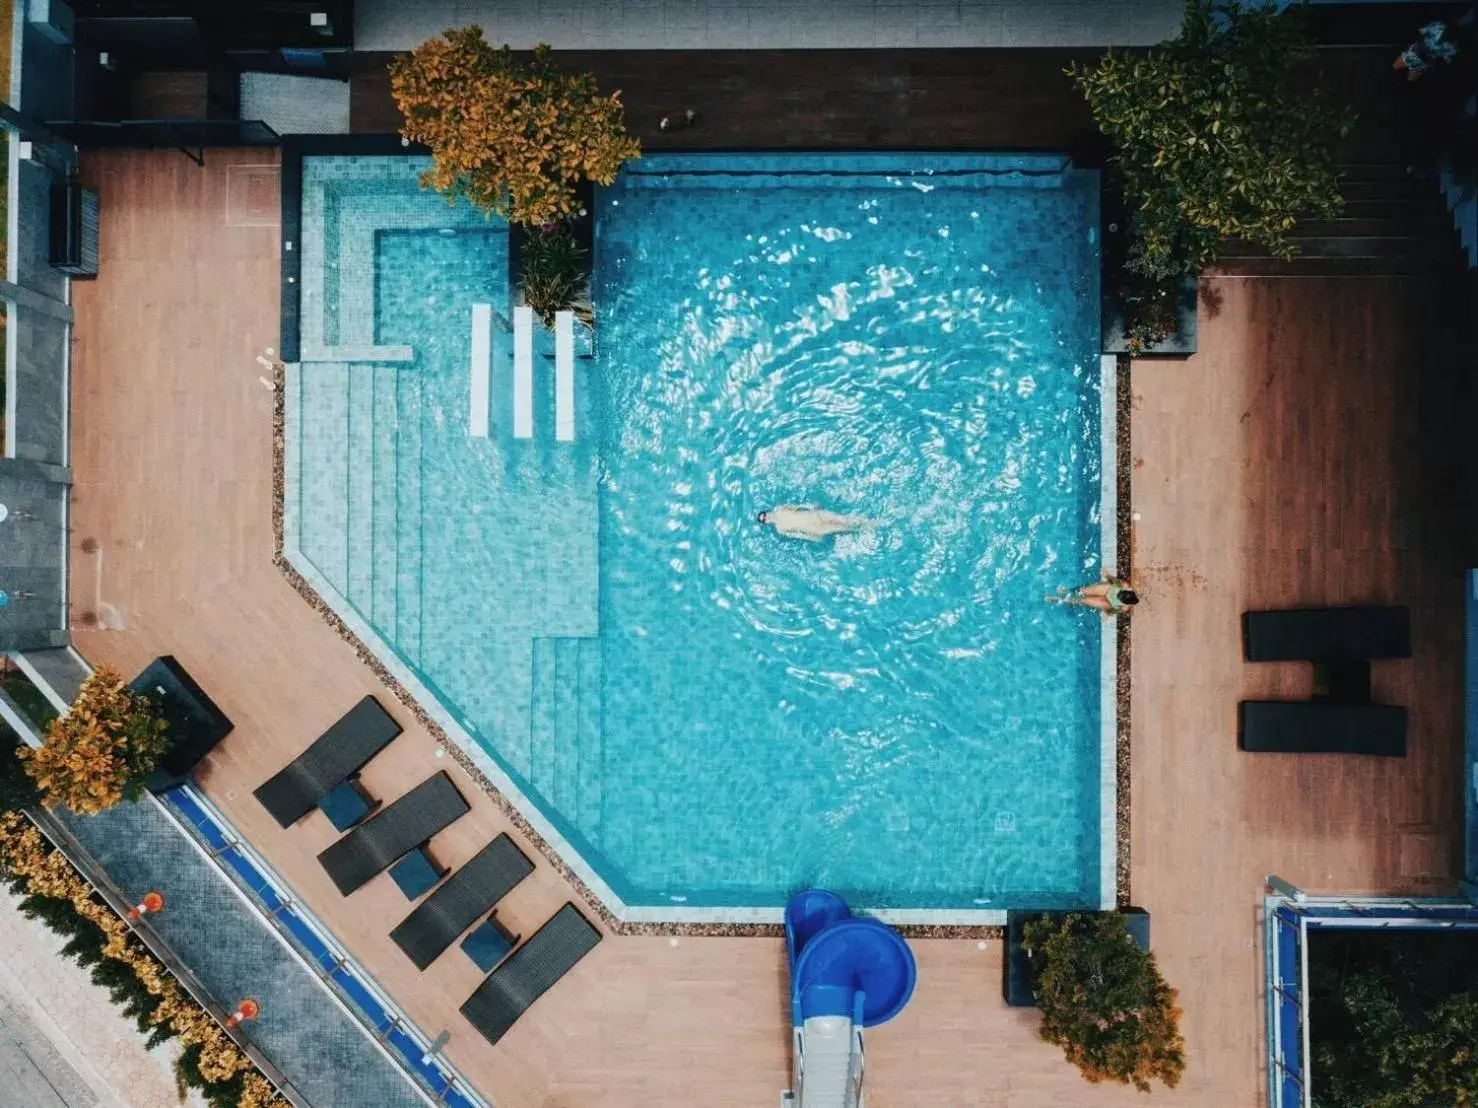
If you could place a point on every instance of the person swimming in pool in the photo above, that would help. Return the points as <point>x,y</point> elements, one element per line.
<point>811,524</point>
<point>1112,596</point>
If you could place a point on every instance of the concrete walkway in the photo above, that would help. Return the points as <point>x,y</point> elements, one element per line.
<point>63,1043</point>
<point>770,24</point>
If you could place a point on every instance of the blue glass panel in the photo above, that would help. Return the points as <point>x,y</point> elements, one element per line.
<point>237,863</point>
<point>270,899</point>
<point>310,942</point>
<point>362,998</point>
<point>1288,959</point>
<point>210,832</point>
<point>1291,1029</point>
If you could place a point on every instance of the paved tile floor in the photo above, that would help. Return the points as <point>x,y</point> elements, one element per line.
<point>303,1031</point>
<point>770,24</point>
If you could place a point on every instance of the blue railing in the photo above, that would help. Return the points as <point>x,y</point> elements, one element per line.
<point>1470,761</point>
<point>1286,1029</point>
<point>431,1071</point>
<point>1289,918</point>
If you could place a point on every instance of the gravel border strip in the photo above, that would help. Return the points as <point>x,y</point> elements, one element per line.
<point>1125,629</point>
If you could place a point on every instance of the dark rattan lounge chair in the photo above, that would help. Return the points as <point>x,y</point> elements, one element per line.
<point>393,832</point>
<point>1326,634</point>
<point>529,972</point>
<point>472,890</point>
<point>1322,727</point>
<point>361,733</point>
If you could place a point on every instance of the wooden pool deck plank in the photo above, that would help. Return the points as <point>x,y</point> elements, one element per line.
<point>1270,469</point>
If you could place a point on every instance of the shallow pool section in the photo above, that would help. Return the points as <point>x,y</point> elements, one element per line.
<point>701,715</point>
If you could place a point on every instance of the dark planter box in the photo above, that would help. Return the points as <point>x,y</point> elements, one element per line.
<point>196,725</point>
<point>1016,981</point>
<point>583,228</point>
<point>1179,345</point>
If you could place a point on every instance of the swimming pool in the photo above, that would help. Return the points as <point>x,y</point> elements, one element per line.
<point>705,714</point>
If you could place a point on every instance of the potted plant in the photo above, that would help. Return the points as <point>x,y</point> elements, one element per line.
<point>554,273</point>
<point>102,750</point>
<point>1215,134</point>
<point>511,137</point>
<point>1102,998</point>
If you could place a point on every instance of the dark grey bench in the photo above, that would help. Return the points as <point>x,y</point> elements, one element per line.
<point>358,735</point>
<point>1321,727</point>
<point>474,889</point>
<point>1326,634</point>
<point>529,972</point>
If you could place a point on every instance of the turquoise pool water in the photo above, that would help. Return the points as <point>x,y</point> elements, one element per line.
<point>709,713</point>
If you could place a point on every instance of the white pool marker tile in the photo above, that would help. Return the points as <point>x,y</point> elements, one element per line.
<point>482,368</point>
<point>564,376</point>
<point>523,373</point>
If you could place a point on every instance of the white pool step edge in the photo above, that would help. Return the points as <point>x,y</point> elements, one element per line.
<point>482,369</point>
<point>523,372</point>
<point>564,376</point>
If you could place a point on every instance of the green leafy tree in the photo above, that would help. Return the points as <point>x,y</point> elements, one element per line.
<point>17,790</point>
<point>132,996</point>
<point>85,939</point>
<point>1103,1001</point>
<point>1395,1025</point>
<point>510,137</point>
<point>1217,134</point>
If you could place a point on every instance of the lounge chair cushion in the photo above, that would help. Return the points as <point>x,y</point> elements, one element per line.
<point>1326,634</point>
<point>1322,727</point>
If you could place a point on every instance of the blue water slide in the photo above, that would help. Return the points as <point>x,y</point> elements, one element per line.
<point>842,965</point>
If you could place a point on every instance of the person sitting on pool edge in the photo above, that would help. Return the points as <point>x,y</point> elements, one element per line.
<point>811,524</point>
<point>1112,596</point>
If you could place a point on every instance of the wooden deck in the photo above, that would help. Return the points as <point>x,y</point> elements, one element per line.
<point>1309,455</point>
<point>818,99</point>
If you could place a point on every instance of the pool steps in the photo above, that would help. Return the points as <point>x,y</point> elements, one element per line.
<point>523,373</point>
<point>528,393</point>
<point>482,368</point>
<point>323,530</point>
<point>564,377</point>
<point>382,601</point>
<point>565,741</point>
<point>361,479</point>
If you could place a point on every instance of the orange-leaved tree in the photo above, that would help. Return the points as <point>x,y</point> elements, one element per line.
<point>511,137</point>
<point>101,750</point>
<point>1103,1000</point>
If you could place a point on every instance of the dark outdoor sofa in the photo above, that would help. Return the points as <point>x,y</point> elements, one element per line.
<point>474,889</point>
<point>1326,634</point>
<point>393,832</point>
<point>360,733</point>
<point>529,972</point>
<point>1321,727</point>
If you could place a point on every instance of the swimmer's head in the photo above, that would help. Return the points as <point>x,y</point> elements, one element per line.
<point>763,517</point>
<point>1128,596</point>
